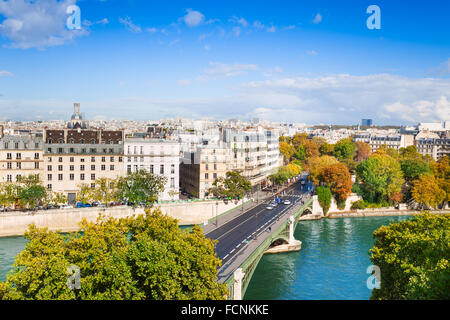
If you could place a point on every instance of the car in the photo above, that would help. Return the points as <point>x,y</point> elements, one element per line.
<point>286,202</point>
<point>66,206</point>
<point>269,207</point>
<point>273,203</point>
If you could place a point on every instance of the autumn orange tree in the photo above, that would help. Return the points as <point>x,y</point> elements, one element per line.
<point>338,178</point>
<point>317,165</point>
<point>363,151</point>
<point>298,139</point>
<point>286,150</point>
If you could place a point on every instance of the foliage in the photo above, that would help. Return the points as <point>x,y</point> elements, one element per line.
<point>426,191</point>
<point>413,257</point>
<point>359,204</point>
<point>143,257</point>
<point>312,149</point>
<point>344,149</point>
<point>326,149</point>
<point>299,139</point>
<point>286,150</point>
<point>140,186</point>
<point>105,190</point>
<point>324,197</point>
<point>300,154</point>
<point>413,168</point>
<point>233,186</point>
<point>363,151</point>
<point>85,193</point>
<point>317,165</point>
<point>338,179</point>
<point>380,178</point>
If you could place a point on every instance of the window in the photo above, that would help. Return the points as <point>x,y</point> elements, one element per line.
<point>92,159</point>
<point>206,176</point>
<point>60,159</point>
<point>111,167</point>
<point>72,150</point>
<point>151,168</point>
<point>71,168</point>
<point>215,166</point>
<point>172,168</point>
<point>82,176</point>
<point>215,175</point>
<point>36,155</point>
<point>19,165</point>
<point>9,165</point>
<point>9,178</point>
<point>60,168</point>
<point>103,167</point>
<point>18,156</point>
<point>72,159</point>
<point>16,145</point>
<point>172,182</point>
<point>6,145</point>
<point>161,169</point>
<point>82,160</point>
<point>60,177</point>
<point>49,168</point>
<point>206,167</point>
<point>93,176</point>
<point>9,156</point>
<point>120,159</point>
<point>93,150</point>
<point>142,150</point>
<point>18,177</point>
<point>71,176</point>
<point>60,150</point>
<point>111,150</point>
<point>93,167</point>
<point>36,165</point>
<point>111,159</point>
<point>103,159</point>
<point>129,168</point>
<point>49,187</point>
<point>82,167</point>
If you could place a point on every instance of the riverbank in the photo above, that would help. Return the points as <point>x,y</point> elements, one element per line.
<point>381,213</point>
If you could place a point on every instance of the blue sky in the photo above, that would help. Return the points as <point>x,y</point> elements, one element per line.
<point>302,61</point>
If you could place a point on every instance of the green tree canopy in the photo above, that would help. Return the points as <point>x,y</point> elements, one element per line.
<point>344,149</point>
<point>140,186</point>
<point>143,257</point>
<point>414,259</point>
<point>233,186</point>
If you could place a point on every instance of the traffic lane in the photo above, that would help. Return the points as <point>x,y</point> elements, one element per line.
<point>216,233</point>
<point>230,251</point>
<point>234,238</point>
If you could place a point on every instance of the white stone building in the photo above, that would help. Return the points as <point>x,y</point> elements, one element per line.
<point>157,156</point>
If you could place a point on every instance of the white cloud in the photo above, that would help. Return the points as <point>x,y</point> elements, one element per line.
<point>151,30</point>
<point>236,31</point>
<point>444,68</point>
<point>258,25</point>
<point>37,24</point>
<point>193,18</point>
<point>311,52</point>
<point>317,19</point>
<point>272,29</point>
<point>4,73</point>
<point>130,25</point>
<point>222,70</point>
<point>240,21</point>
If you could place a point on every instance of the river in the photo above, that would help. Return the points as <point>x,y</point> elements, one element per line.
<point>332,263</point>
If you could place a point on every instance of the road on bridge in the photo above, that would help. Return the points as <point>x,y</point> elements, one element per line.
<point>244,228</point>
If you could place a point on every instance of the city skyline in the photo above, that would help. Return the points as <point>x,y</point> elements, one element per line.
<point>298,62</point>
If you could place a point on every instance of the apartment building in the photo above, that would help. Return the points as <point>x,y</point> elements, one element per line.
<point>77,155</point>
<point>394,141</point>
<point>157,156</point>
<point>20,156</point>
<point>437,148</point>
<point>254,152</point>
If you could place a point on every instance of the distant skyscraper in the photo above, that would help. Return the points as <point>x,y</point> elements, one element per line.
<point>366,122</point>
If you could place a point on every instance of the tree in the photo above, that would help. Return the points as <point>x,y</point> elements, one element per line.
<point>300,154</point>
<point>363,151</point>
<point>413,168</point>
<point>344,149</point>
<point>319,141</point>
<point>338,179</point>
<point>104,190</point>
<point>233,186</point>
<point>317,165</point>
<point>426,191</point>
<point>286,150</point>
<point>140,186</point>
<point>380,178</point>
<point>298,139</point>
<point>413,257</point>
<point>143,257</point>
<point>326,149</point>
<point>85,193</point>
<point>441,170</point>
<point>312,149</point>
<point>32,195</point>
<point>324,197</point>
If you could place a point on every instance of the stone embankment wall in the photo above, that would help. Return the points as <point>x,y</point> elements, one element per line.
<point>66,220</point>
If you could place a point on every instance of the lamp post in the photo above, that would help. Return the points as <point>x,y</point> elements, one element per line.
<point>217,221</point>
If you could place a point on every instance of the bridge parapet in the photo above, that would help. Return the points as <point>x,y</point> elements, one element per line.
<point>250,255</point>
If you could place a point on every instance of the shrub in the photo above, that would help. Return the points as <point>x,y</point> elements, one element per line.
<point>324,197</point>
<point>360,204</point>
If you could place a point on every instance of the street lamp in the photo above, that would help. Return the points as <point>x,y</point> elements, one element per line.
<point>217,206</point>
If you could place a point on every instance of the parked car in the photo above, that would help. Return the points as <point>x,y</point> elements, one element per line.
<point>66,206</point>
<point>269,207</point>
<point>82,205</point>
<point>287,202</point>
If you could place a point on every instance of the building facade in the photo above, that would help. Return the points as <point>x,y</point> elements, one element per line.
<point>437,148</point>
<point>157,156</point>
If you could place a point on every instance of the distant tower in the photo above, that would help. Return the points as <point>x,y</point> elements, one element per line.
<point>76,121</point>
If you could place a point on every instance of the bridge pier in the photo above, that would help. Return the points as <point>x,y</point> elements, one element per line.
<point>237,285</point>
<point>292,245</point>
